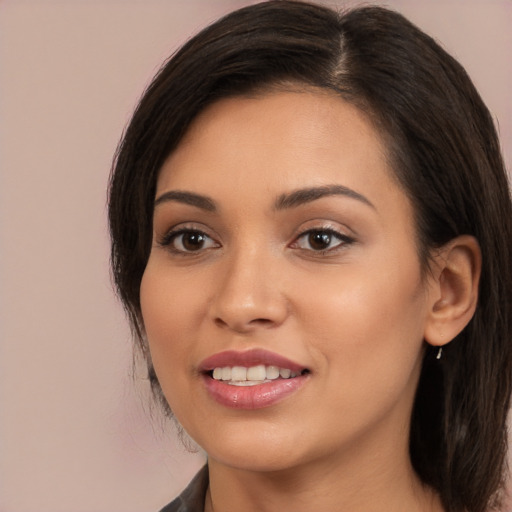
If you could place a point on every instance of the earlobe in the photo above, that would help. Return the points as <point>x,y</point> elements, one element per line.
<point>453,289</point>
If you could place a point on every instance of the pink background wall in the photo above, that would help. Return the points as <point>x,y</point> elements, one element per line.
<point>74,435</point>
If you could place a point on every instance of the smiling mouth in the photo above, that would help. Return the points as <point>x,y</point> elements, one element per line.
<point>252,379</point>
<point>253,375</point>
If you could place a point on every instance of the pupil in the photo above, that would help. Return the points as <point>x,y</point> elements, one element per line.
<point>319,240</point>
<point>193,241</point>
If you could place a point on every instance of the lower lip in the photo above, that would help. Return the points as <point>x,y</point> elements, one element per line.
<point>253,397</point>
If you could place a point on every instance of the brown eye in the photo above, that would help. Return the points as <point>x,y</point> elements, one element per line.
<point>187,241</point>
<point>319,240</point>
<point>192,241</point>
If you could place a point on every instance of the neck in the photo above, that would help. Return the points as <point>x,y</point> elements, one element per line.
<point>371,485</point>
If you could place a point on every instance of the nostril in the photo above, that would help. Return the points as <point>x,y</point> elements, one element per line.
<point>220,323</point>
<point>240,324</point>
<point>261,321</point>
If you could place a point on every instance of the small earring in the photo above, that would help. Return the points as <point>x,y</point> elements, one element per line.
<point>439,353</point>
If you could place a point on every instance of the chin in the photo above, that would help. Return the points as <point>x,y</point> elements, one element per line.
<point>257,462</point>
<point>252,449</point>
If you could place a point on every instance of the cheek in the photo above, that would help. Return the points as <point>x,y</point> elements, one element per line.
<point>169,310</point>
<point>368,338</point>
<point>170,313</point>
<point>368,319</point>
<point>170,301</point>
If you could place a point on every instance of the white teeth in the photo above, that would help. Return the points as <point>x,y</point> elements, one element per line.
<point>271,372</point>
<point>283,372</point>
<point>242,376</point>
<point>256,372</point>
<point>238,373</point>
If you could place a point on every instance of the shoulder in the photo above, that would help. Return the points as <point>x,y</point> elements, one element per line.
<point>192,498</point>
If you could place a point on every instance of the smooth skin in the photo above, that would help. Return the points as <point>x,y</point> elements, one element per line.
<point>330,279</point>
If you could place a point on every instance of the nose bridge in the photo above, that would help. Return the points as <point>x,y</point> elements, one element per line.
<point>248,294</point>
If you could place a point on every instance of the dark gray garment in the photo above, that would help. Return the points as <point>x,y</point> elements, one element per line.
<point>192,498</point>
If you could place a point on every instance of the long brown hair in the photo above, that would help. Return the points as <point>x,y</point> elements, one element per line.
<point>444,150</point>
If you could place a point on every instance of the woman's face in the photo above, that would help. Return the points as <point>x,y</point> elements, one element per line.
<point>283,245</point>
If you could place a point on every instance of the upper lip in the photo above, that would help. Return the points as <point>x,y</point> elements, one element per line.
<point>248,358</point>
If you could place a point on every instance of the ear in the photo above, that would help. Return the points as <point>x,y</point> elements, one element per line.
<point>453,289</point>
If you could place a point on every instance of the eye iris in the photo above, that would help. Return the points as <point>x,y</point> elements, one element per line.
<point>193,241</point>
<point>319,240</point>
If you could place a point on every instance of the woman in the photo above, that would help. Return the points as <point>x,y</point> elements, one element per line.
<point>312,236</point>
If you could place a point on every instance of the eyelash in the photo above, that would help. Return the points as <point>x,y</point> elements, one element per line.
<point>343,240</point>
<point>172,236</point>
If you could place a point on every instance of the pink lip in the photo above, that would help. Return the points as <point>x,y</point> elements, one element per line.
<point>251,397</point>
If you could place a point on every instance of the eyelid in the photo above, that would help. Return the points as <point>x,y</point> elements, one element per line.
<point>167,238</point>
<point>324,227</point>
<point>342,239</point>
<point>334,229</point>
<point>320,224</point>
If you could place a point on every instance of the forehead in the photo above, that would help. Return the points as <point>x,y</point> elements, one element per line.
<point>276,141</point>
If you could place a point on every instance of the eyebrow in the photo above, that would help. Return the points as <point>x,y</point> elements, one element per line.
<point>200,201</point>
<point>307,195</point>
<point>283,202</point>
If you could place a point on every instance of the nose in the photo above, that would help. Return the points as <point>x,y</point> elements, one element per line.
<point>248,295</point>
